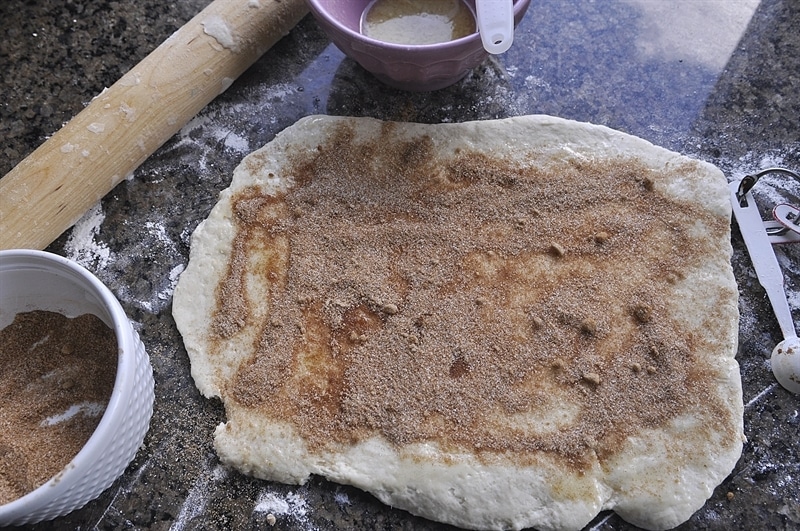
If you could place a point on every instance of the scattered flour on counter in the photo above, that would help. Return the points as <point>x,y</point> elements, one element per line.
<point>197,499</point>
<point>82,246</point>
<point>601,523</point>
<point>761,395</point>
<point>206,125</point>
<point>230,126</point>
<point>174,274</point>
<point>235,142</point>
<point>126,483</point>
<point>158,231</point>
<point>342,498</point>
<point>754,162</point>
<point>291,505</point>
<point>534,82</point>
<point>85,247</point>
<point>164,250</point>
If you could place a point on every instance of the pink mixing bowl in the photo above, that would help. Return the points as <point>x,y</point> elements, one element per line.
<point>420,67</point>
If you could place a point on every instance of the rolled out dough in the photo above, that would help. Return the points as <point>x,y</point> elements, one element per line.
<point>496,324</point>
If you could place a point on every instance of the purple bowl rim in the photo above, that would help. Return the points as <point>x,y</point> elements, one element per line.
<point>315,5</point>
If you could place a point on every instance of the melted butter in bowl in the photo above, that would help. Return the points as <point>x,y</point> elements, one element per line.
<point>415,62</point>
<point>417,22</point>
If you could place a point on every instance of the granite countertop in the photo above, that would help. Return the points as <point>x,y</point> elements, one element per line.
<point>715,79</point>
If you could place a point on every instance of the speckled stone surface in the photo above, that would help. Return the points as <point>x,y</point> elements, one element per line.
<point>718,80</point>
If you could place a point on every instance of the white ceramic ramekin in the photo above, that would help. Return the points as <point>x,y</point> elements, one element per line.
<point>37,280</point>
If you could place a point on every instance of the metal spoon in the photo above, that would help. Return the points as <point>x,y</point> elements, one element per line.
<point>785,359</point>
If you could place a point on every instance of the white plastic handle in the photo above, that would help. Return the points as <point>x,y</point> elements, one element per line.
<point>768,270</point>
<point>495,24</point>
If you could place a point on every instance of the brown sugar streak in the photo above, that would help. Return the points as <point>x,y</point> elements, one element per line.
<point>49,363</point>
<point>420,299</point>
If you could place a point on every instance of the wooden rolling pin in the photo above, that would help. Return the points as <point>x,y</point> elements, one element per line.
<point>56,184</point>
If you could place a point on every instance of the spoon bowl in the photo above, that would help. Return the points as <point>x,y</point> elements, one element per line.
<point>785,363</point>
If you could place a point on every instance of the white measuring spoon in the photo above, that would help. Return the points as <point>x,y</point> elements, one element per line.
<point>785,358</point>
<point>495,20</point>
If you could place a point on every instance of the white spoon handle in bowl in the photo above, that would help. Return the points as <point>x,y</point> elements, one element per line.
<point>495,24</point>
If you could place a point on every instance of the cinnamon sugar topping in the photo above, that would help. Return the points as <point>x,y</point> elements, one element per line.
<point>56,377</point>
<point>415,296</point>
